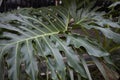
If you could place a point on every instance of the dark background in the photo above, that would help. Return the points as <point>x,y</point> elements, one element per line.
<point>8,5</point>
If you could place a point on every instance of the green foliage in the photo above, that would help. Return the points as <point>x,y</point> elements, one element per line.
<point>30,36</point>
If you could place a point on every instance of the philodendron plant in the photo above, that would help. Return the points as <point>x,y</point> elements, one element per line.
<point>30,38</point>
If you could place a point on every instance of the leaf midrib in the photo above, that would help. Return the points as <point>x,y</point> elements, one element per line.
<point>38,36</point>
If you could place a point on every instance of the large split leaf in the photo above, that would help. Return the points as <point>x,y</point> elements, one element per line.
<point>29,35</point>
<point>22,29</point>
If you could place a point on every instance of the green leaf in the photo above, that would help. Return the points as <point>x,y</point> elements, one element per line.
<point>28,35</point>
<point>101,21</point>
<point>22,30</point>
<point>2,64</point>
<point>54,75</point>
<point>107,32</point>
<point>60,66</point>
<point>29,60</point>
<point>110,34</point>
<point>114,4</point>
<point>91,47</point>
<point>71,74</point>
<point>72,60</point>
<point>3,51</point>
<point>14,62</point>
<point>86,67</point>
<point>100,67</point>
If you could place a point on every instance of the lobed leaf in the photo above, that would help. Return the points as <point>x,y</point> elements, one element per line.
<point>23,28</point>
